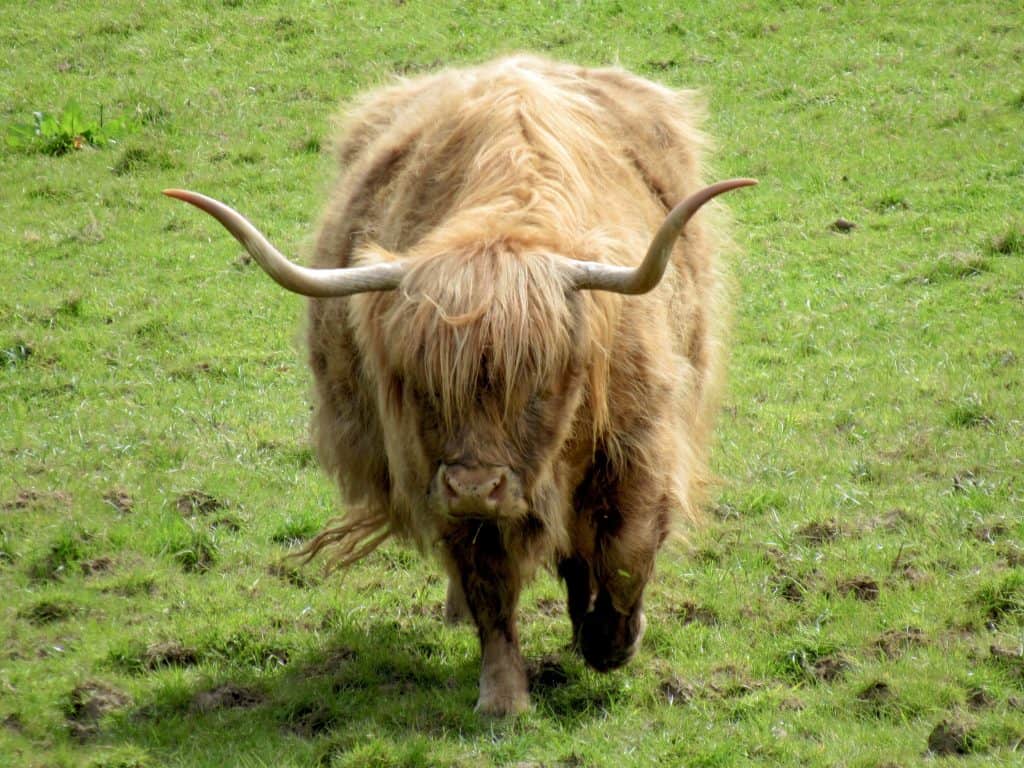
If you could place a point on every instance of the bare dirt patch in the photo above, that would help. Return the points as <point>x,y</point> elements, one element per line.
<point>169,654</point>
<point>228,522</point>
<point>30,498</point>
<point>551,606</point>
<point>876,697</point>
<point>913,575</point>
<point>194,502</point>
<point>1011,242</point>
<point>227,696</point>
<point>675,690</point>
<point>63,555</point>
<point>296,575</point>
<point>980,698</point>
<point>690,613</point>
<point>14,723</point>
<point>546,673</point>
<point>970,479</point>
<point>829,668</point>
<point>90,702</point>
<point>820,532</point>
<point>1002,600</point>
<point>860,587</point>
<point>47,612</point>
<point>97,565</point>
<point>991,533</point>
<point>1013,554</point>
<point>728,682</point>
<point>877,691</point>
<point>133,585</point>
<point>895,642</point>
<point>1006,654</point>
<point>893,520</point>
<point>951,737</point>
<point>791,588</point>
<point>335,662</point>
<point>725,682</point>
<point>844,226</point>
<point>1010,660</point>
<point>120,500</point>
<point>309,720</point>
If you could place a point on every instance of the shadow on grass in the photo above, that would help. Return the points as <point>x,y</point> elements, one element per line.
<point>385,683</point>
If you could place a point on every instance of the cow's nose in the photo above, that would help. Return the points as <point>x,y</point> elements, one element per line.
<point>485,487</point>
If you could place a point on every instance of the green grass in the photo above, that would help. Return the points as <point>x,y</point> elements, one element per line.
<point>859,596</point>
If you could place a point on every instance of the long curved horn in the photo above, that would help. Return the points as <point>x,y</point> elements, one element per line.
<point>633,280</point>
<point>309,282</point>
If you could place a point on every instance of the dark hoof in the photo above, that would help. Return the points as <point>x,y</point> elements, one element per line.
<point>607,640</point>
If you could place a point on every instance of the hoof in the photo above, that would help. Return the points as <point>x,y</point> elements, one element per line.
<point>504,689</point>
<point>502,704</point>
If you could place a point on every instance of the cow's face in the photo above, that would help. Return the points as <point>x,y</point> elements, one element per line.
<point>480,372</point>
<point>497,458</point>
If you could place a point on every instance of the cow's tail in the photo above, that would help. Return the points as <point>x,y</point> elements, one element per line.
<point>347,540</point>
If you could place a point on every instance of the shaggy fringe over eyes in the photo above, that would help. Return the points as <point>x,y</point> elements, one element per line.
<point>489,318</point>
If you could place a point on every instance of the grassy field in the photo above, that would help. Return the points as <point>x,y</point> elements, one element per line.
<point>858,599</point>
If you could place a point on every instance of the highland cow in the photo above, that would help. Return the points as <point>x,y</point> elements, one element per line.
<point>490,385</point>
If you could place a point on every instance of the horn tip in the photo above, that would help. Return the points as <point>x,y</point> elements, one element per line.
<point>193,198</point>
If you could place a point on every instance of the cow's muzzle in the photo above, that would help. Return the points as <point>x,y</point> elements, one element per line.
<point>486,492</point>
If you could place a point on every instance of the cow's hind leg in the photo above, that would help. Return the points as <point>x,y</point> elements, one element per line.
<point>455,609</point>
<point>490,582</point>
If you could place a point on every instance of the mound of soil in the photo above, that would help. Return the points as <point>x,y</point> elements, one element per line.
<point>87,705</point>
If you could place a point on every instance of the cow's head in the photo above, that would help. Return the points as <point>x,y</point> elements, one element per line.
<point>478,347</point>
<point>479,360</point>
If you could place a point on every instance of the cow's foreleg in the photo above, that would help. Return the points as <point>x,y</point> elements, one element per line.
<point>608,638</point>
<point>625,539</point>
<point>490,582</point>
<point>579,587</point>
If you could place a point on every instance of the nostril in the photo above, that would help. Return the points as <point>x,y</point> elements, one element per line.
<point>498,489</point>
<point>451,488</point>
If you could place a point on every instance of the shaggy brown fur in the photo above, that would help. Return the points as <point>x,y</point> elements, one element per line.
<point>600,403</point>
